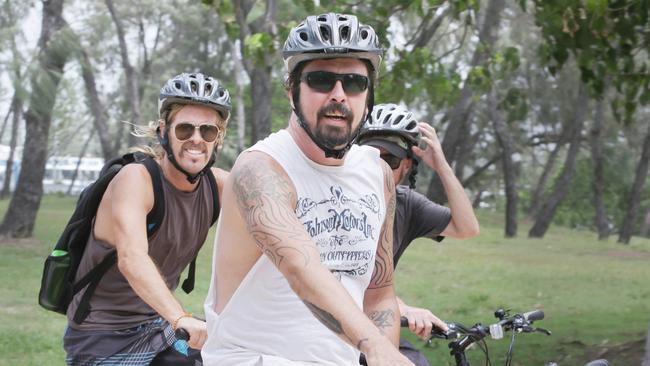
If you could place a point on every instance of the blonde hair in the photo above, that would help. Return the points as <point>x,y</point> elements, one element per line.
<point>150,131</point>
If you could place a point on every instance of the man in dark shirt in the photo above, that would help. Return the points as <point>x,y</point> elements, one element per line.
<point>133,313</point>
<point>395,132</point>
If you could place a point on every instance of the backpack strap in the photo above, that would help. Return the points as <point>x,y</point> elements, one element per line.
<point>91,279</point>
<point>215,196</point>
<point>188,283</point>
<point>155,216</point>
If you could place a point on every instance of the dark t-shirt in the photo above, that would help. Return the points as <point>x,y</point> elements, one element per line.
<point>416,217</point>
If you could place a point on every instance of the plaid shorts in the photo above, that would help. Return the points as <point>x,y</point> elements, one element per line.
<point>129,347</point>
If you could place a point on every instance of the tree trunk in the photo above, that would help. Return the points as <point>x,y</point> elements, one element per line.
<point>636,192</point>
<point>645,226</point>
<point>561,187</point>
<point>509,167</point>
<point>537,198</point>
<point>52,56</point>
<point>81,155</point>
<point>239,97</point>
<point>17,108</point>
<point>430,24</point>
<point>261,99</point>
<point>459,115</point>
<point>100,120</point>
<point>131,78</point>
<point>598,182</point>
<point>4,122</point>
<point>469,181</point>
<point>259,72</point>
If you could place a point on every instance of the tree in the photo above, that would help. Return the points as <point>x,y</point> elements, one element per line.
<point>459,115</point>
<point>53,46</point>
<point>561,187</point>
<point>598,182</point>
<point>16,110</point>
<point>97,109</point>
<point>509,168</point>
<point>256,42</point>
<point>635,195</point>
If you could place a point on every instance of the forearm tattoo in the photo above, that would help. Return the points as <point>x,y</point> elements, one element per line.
<point>383,319</point>
<point>326,318</point>
<point>265,199</point>
<point>383,273</point>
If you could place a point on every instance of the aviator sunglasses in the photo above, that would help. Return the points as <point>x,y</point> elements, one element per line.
<point>324,81</point>
<point>185,130</point>
<point>392,160</point>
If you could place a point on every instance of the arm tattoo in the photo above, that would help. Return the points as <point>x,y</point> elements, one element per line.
<point>383,273</point>
<point>265,198</point>
<point>326,318</point>
<point>383,319</point>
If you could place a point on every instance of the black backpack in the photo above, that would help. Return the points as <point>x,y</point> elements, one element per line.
<point>57,284</point>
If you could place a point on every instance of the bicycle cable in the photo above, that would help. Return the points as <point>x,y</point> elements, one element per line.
<point>510,348</point>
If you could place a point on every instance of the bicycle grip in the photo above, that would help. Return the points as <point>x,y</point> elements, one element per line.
<point>182,334</point>
<point>534,315</point>
<point>403,322</point>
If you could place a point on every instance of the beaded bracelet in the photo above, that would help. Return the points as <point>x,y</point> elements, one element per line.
<point>175,322</point>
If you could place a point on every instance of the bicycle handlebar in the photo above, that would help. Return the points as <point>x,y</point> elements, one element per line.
<point>517,323</point>
<point>181,334</point>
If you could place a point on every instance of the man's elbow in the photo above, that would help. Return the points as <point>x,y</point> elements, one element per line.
<point>127,263</point>
<point>472,232</point>
<point>467,231</point>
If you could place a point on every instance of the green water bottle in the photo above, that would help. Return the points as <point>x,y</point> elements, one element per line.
<point>54,285</point>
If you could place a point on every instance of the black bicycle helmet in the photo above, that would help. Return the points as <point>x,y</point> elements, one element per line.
<point>195,88</point>
<point>192,88</point>
<point>390,120</point>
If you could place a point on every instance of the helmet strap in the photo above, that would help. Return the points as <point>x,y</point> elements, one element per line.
<point>192,178</point>
<point>329,152</point>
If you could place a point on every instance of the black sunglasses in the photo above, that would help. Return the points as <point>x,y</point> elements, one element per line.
<point>185,130</point>
<point>392,160</point>
<point>324,81</point>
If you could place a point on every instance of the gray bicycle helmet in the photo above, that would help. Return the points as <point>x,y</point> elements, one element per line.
<point>331,35</point>
<point>192,88</point>
<point>390,120</point>
<point>195,88</point>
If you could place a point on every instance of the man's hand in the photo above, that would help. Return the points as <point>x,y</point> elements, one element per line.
<point>421,320</point>
<point>197,330</point>
<point>381,352</point>
<point>432,155</point>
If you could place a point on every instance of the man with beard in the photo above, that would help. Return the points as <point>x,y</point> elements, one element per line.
<point>132,313</point>
<point>302,270</point>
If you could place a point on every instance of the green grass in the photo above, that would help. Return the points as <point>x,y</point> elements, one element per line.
<point>595,294</point>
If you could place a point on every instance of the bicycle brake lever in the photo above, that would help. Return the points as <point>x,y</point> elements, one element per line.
<point>542,330</point>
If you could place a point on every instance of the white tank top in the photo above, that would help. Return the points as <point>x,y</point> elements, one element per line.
<point>342,208</point>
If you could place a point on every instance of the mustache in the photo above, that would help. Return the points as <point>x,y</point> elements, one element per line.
<point>336,108</point>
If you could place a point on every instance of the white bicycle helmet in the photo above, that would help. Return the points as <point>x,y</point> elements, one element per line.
<point>390,120</point>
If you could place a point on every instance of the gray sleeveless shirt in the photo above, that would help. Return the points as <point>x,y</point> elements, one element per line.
<point>184,228</point>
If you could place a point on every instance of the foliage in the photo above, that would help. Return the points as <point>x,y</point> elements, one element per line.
<point>577,210</point>
<point>610,40</point>
<point>544,50</point>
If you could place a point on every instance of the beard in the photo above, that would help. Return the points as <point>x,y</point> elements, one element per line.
<point>333,136</point>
